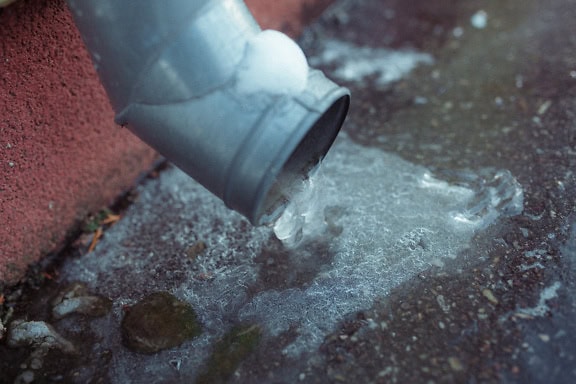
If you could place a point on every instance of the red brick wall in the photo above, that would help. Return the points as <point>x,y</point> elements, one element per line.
<point>288,16</point>
<point>61,155</point>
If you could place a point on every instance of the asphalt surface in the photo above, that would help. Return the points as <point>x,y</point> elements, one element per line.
<point>449,239</point>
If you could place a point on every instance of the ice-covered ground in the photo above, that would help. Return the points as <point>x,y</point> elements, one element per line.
<point>359,63</point>
<point>385,220</point>
<point>382,219</point>
<point>392,220</point>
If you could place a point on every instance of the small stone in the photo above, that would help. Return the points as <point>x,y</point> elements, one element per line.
<point>76,299</point>
<point>37,334</point>
<point>36,363</point>
<point>386,372</point>
<point>455,364</point>
<point>544,337</point>
<point>25,377</point>
<point>176,364</point>
<point>490,296</point>
<point>159,321</point>
<point>372,324</point>
<point>442,303</point>
<point>196,249</point>
<point>458,32</point>
<point>543,108</point>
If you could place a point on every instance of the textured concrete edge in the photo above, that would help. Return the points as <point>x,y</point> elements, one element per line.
<point>61,156</point>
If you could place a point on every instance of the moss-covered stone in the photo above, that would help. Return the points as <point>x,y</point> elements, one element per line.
<point>159,321</point>
<point>229,352</point>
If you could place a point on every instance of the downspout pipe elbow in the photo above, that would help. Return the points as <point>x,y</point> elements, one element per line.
<point>192,79</point>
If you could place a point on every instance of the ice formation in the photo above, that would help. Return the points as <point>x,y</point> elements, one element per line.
<point>383,220</point>
<point>356,63</point>
<point>396,220</point>
<point>273,63</point>
<point>300,211</point>
<point>480,197</point>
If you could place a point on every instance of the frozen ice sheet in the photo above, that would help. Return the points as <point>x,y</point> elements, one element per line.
<point>357,63</point>
<point>396,220</point>
<point>384,220</point>
<point>540,309</point>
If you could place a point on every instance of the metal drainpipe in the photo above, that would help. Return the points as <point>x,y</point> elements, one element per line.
<point>169,70</point>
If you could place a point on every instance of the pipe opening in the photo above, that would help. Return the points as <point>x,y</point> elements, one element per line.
<point>307,155</point>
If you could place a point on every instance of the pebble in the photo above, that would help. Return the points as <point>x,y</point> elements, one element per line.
<point>159,321</point>
<point>36,363</point>
<point>76,299</point>
<point>38,334</point>
<point>544,337</point>
<point>455,364</point>
<point>25,377</point>
<point>193,251</point>
<point>490,296</point>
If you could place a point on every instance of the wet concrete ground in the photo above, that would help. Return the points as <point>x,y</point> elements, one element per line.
<point>501,96</point>
<point>496,97</point>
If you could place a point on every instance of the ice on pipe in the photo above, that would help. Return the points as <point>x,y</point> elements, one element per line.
<point>273,63</point>
<point>289,227</point>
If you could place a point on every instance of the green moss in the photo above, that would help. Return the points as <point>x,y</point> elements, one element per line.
<point>159,321</point>
<point>92,222</point>
<point>229,352</point>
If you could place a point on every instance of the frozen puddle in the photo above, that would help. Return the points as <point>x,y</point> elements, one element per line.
<point>387,220</point>
<point>380,221</point>
<point>384,220</point>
